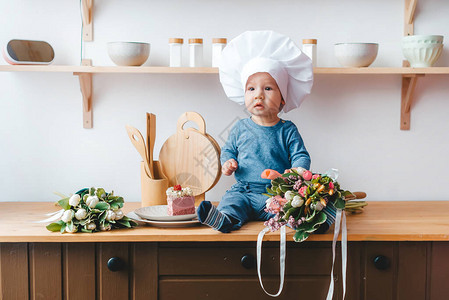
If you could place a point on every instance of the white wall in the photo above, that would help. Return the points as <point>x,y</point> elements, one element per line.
<point>349,122</point>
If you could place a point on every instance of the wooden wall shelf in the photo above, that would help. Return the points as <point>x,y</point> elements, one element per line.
<point>209,70</point>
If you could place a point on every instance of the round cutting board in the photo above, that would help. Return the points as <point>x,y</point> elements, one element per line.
<point>189,157</point>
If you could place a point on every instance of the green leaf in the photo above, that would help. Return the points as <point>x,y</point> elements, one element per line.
<point>300,236</point>
<point>86,230</point>
<point>283,188</point>
<point>307,227</point>
<point>102,216</point>
<point>278,181</point>
<point>63,227</point>
<point>310,227</point>
<point>308,190</point>
<point>288,174</point>
<point>100,192</point>
<point>114,205</point>
<point>325,180</point>
<point>85,221</point>
<point>267,195</point>
<point>124,223</point>
<point>301,209</point>
<point>55,226</point>
<point>120,201</point>
<point>92,191</point>
<point>295,171</point>
<point>320,218</point>
<point>82,191</point>
<point>339,203</point>
<point>287,206</point>
<point>64,203</point>
<point>102,206</point>
<point>289,212</point>
<point>270,191</point>
<point>310,218</point>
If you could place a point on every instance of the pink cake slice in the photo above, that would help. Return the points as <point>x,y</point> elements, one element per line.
<point>180,205</point>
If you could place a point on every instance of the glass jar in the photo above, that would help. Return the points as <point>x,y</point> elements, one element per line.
<point>196,52</point>
<point>218,45</point>
<point>175,45</point>
<point>309,49</point>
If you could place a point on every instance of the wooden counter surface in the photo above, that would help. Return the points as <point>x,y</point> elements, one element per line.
<point>381,221</point>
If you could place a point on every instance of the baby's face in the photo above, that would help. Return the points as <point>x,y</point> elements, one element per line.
<point>262,96</point>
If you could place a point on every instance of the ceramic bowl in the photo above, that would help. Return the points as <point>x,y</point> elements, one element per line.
<point>422,50</point>
<point>356,54</point>
<point>128,53</point>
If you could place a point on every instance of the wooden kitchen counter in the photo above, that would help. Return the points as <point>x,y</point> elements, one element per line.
<point>380,221</point>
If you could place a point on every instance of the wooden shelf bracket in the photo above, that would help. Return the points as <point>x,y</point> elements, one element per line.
<point>86,90</point>
<point>408,81</point>
<point>408,89</point>
<point>409,16</point>
<point>86,7</point>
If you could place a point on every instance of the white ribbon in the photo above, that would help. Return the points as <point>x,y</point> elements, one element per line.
<point>340,219</point>
<point>339,222</point>
<point>281,260</point>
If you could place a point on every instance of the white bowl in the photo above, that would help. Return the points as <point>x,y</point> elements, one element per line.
<point>128,53</point>
<point>422,50</point>
<point>356,54</point>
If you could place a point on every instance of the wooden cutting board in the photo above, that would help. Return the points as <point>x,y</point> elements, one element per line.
<point>190,158</point>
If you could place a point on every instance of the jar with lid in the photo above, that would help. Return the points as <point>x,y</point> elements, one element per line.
<point>196,52</point>
<point>175,45</point>
<point>218,45</point>
<point>309,48</point>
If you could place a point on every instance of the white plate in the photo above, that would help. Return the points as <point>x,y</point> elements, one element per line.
<point>175,224</point>
<point>159,213</point>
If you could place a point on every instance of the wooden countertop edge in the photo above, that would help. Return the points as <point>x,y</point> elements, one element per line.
<point>101,237</point>
<point>240,239</point>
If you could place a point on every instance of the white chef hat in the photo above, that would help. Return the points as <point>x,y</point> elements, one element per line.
<point>266,51</point>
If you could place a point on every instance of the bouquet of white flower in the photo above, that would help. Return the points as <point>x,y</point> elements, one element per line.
<point>91,210</point>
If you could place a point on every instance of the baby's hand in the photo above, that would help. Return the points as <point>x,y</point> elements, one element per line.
<point>229,167</point>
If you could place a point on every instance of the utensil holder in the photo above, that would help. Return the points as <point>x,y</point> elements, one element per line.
<point>153,190</point>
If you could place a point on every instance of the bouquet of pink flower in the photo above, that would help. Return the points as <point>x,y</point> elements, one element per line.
<point>298,198</point>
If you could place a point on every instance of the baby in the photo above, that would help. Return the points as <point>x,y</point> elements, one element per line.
<point>270,76</point>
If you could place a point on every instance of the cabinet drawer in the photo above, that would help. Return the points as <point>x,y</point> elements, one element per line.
<point>223,259</point>
<point>312,287</point>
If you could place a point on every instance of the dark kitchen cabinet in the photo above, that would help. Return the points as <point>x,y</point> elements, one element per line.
<point>220,270</point>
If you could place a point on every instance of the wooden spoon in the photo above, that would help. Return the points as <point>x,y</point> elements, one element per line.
<point>137,139</point>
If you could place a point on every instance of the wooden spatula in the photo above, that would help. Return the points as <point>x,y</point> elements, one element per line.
<point>151,138</point>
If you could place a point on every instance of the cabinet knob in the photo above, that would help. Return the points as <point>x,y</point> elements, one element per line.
<point>116,264</point>
<point>381,262</point>
<point>248,261</point>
